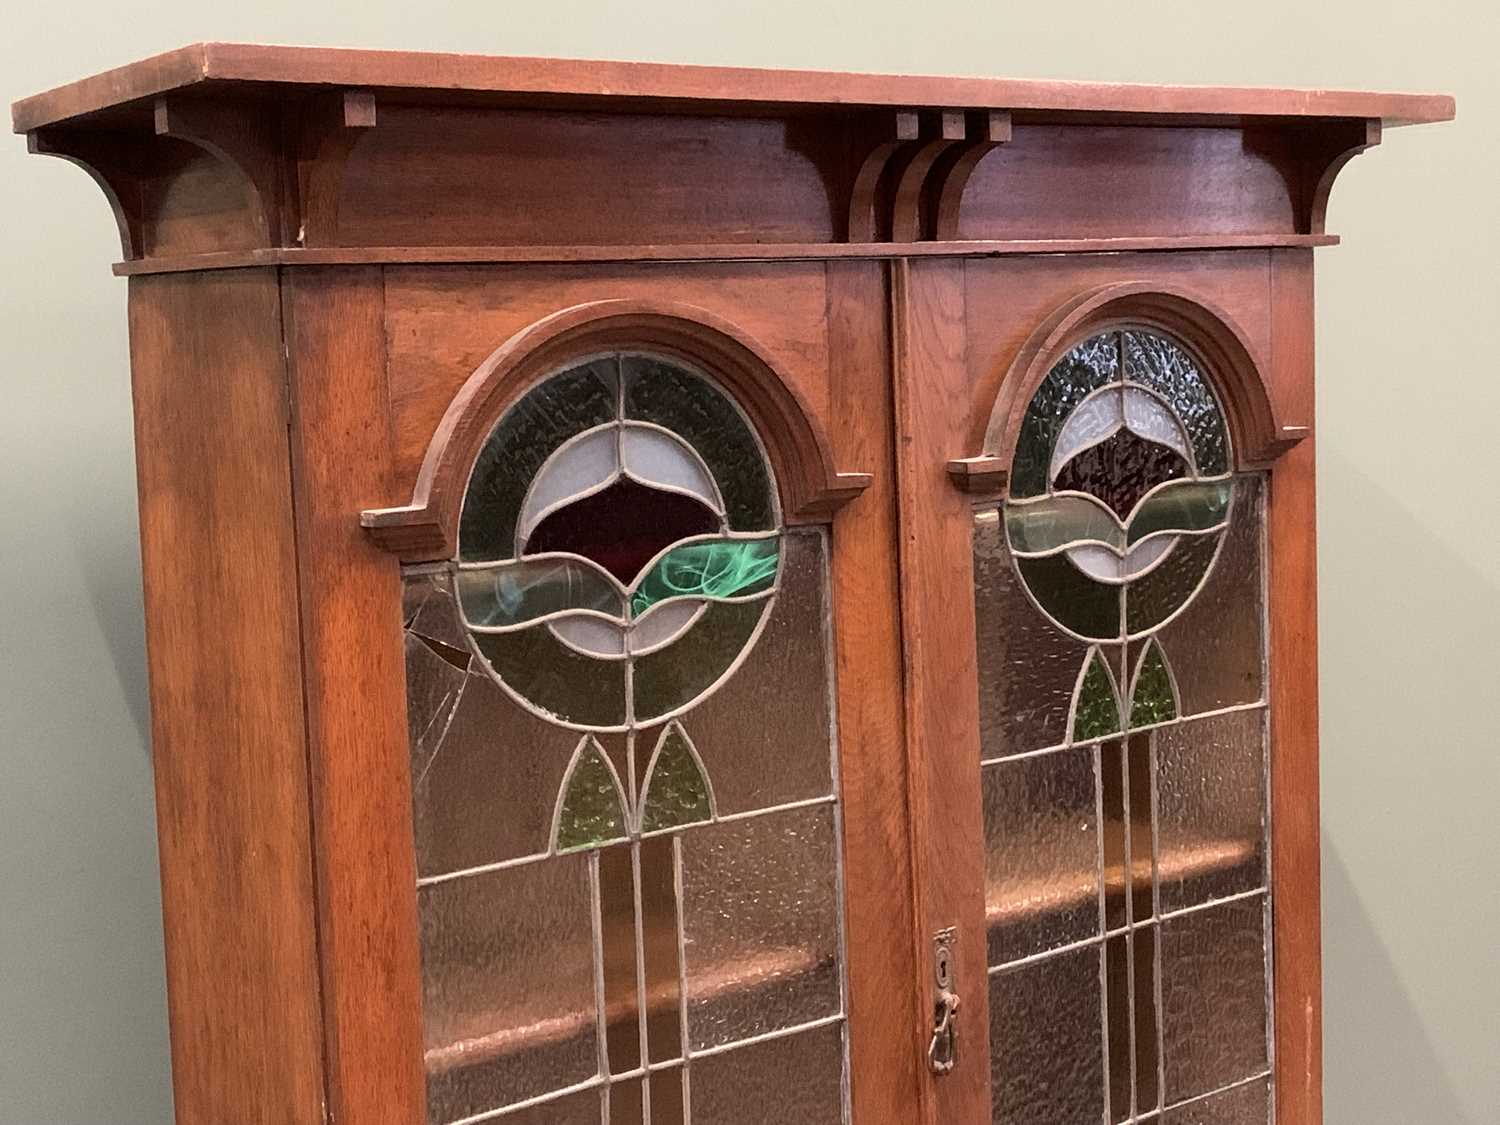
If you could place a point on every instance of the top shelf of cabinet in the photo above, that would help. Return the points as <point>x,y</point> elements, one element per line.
<point>210,68</point>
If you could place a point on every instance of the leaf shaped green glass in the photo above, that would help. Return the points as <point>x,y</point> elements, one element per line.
<point>1153,701</point>
<point>592,811</point>
<point>1097,712</point>
<point>676,791</point>
<point>711,568</point>
<point>1182,505</point>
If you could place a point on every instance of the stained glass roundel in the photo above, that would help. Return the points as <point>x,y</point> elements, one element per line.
<point>622,508</point>
<point>1120,488</point>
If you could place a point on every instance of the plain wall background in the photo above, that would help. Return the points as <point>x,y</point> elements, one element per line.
<point>1410,573</point>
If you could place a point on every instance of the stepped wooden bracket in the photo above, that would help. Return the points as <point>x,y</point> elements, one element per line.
<point>113,163</point>
<point>1310,156</point>
<point>812,489</point>
<point>911,184</point>
<point>327,131</point>
<point>242,137</point>
<point>1344,144</point>
<point>899,130</point>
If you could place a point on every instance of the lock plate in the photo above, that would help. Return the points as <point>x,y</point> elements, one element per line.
<point>942,1052</point>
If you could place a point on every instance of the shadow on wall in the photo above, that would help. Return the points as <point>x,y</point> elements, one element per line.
<point>1392,1076</point>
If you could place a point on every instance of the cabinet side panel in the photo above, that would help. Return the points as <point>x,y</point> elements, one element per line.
<point>351,615</point>
<point>228,740</point>
<point>1295,833</point>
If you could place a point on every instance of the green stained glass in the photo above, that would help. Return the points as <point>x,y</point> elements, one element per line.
<point>1097,712</point>
<point>1086,368</point>
<point>592,810</point>
<point>1153,701</point>
<point>717,568</point>
<point>676,791</point>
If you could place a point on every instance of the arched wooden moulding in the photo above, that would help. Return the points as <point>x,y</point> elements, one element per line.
<point>1260,435</point>
<point>426,529</point>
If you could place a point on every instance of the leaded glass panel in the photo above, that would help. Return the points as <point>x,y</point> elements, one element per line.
<point>1120,617</point>
<point>624,594</point>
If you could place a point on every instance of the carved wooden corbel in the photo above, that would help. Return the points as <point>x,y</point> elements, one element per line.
<point>986,132</point>
<point>112,162</point>
<point>906,208</point>
<point>244,139</point>
<point>327,130</point>
<point>865,218</point>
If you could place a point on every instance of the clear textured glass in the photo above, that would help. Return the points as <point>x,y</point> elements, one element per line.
<point>796,1080</point>
<point>676,790</point>
<point>484,792</point>
<point>617,939</point>
<point>552,412</point>
<point>1041,853</point>
<point>1086,368</point>
<point>582,1108</point>
<point>785,754</point>
<point>593,808</point>
<point>667,1104</point>
<point>498,1030</point>
<point>1047,1058</point>
<point>659,950</point>
<point>1213,997</point>
<point>1054,522</point>
<point>1165,367</point>
<point>1249,1104</point>
<point>760,923</point>
<point>1211,819</point>
<point>659,392</point>
<point>1217,645</point>
<point>1028,668</point>
<point>1098,711</point>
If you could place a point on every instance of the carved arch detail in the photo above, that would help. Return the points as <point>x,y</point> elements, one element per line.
<point>1258,431</point>
<point>812,488</point>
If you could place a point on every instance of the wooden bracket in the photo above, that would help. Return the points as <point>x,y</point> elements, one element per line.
<point>242,137</point>
<point>900,130</point>
<point>1344,144</point>
<point>109,160</point>
<point>327,130</point>
<point>906,208</point>
<point>985,475</point>
<point>986,132</point>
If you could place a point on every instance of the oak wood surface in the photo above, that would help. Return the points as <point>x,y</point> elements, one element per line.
<point>214,64</point>
<point>355,687</point>
<point>705,252</point>
<point>1293,655</point>
<point>887,1005</point>
<point>941,694</point>
<point>228,739</point>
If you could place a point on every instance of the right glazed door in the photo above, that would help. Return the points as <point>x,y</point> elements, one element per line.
<point>1112,706</point>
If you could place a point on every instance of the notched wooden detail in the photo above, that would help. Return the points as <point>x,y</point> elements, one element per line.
<point>1255,417</point>
<point>812,488</point>
<point>113,163</point>
<point>987,131</point>
<point>244,137</point>
<point>894,132</point>
<point>910,180</point>
<point>325,133</point>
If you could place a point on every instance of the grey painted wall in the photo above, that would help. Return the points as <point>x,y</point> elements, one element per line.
<point>1410,576</point>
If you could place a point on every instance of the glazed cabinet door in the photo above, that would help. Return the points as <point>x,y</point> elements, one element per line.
<point>652,690</point>
<point>1099,691</point>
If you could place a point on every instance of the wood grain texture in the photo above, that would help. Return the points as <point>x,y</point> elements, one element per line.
<point>933,396</point>
<point>705,252</point>
<point>887,1006</point>
<point>210,64</point>
<point>1295,824</point>
<point>354,668</point>
<point>228,738</point>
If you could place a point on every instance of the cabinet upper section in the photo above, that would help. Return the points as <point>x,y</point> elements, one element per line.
<point>276,154</point>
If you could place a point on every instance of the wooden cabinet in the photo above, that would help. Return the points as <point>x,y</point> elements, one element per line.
<point>690,595</point>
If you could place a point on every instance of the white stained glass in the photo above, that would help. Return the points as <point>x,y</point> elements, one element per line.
<point>1111,409</point>
<point>576,468</point>
<point>655,456</point>
<point>1152,419</point>
<point>593,635</point>
<point>1103,565</point>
